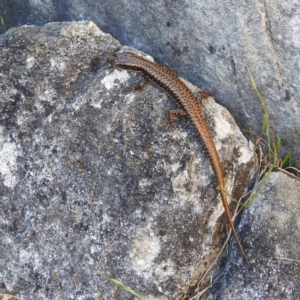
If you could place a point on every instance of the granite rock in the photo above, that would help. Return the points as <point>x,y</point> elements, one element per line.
<point>92,183</point>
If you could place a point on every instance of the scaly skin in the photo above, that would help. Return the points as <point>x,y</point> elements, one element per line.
<point>167,80</point>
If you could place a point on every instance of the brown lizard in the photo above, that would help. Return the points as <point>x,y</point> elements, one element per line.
<point>167,80</point>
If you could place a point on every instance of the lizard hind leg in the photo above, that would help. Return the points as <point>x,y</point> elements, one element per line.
<point>203,94</point>
<point>173,114</point>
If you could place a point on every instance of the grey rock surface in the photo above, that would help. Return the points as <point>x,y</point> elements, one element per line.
<point>272,224</point>
<point>92,184</point>
<point>209,43</point>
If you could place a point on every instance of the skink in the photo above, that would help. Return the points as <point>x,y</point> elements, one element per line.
<point>167,80</point>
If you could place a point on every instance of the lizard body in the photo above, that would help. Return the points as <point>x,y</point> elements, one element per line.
<point>167,80</point>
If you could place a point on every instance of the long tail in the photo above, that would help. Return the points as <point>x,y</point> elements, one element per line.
<point>227,211</point>
<point>215,161</point>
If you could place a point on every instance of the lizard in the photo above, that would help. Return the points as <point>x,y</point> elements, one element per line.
<point>167,80</point>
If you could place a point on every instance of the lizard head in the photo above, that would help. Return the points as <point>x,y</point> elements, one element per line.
<point>125,60</point>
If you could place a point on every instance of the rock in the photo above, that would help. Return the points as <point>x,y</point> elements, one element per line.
<point>92,184</point>
<point>272,226</point>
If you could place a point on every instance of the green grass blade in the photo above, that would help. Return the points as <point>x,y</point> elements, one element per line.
<point>278,145</point>
<point>291,151</point>
<point>288,159</point>
<point>286,162</point>
<point>254,84</point>
<point>2,23</point>
<point>126,288</point>
<point>257,190</point>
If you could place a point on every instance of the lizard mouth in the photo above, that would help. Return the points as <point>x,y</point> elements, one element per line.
<point>123,60</point>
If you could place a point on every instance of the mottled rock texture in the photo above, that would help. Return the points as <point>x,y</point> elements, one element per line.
<point>272,224</point>
<point>92,184</point>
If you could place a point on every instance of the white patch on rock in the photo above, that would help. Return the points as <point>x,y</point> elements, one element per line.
<point>222,126</point>
<point>30,62</point>
<point>144,182</point>
<point>145,248</point>
<point>246,153</point>
<point>110,80</point>
<point>57,65</point>
<point>8,160</point>
<point>53,62</point>
<point>96,103</point>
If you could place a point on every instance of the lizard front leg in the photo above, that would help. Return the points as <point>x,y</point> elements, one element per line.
<point>139,86</point>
